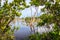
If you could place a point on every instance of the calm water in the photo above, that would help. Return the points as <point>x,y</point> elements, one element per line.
<point>24,31</point>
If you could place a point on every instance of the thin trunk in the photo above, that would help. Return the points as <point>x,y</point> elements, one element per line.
<point>33,20</point>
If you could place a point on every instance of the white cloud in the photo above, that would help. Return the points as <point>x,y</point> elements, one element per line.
<point>40,7</point>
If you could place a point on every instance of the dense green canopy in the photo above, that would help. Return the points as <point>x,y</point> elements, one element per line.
<point>8,12</point>
<point>51,16</point>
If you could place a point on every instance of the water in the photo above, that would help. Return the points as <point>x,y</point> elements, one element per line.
<point>24,32</point>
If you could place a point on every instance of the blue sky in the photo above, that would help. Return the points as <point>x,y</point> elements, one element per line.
<point>27,11</point>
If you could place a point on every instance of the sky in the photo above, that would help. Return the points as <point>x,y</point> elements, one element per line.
<point>27,11</point>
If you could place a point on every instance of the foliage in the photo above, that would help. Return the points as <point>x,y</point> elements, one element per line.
<point>53,35</point>
<point>51,16</point>
<point>46,18</point>
<point>8,12</point>
<point>27,19</point>
<point>35,36</point>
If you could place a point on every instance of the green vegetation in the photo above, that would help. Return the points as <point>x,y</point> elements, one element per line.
<point>8,12</point>
<point>51,16</point>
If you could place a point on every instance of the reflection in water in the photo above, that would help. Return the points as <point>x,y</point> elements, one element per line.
<point>22,33</point>
<point>25,31</point>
